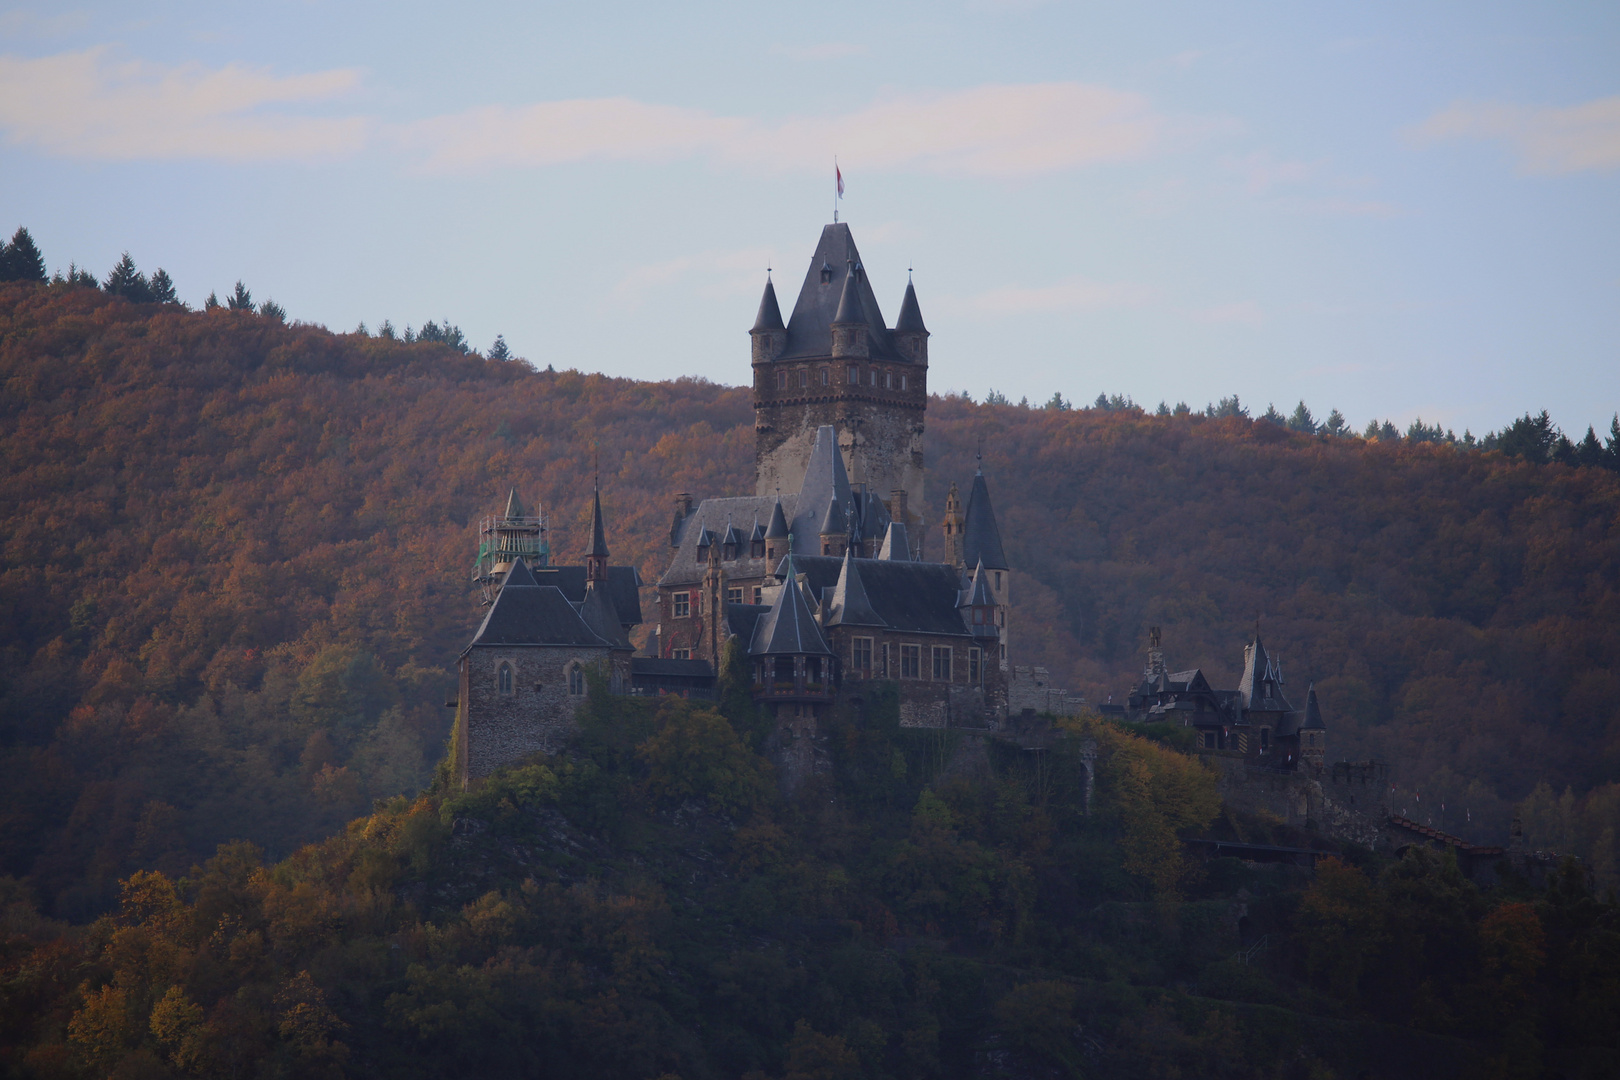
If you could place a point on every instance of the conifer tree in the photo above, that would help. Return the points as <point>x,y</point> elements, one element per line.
<point>1531,437</point>
<point>1611,450</point>
<point>272,310</point>
<point>1302,420</point>
<point>212,302</point>
<point>126,281</point>
<point>1272,416</point>
<point>386,330</point>
<point>20,260</point>
<point>1336,424</point>
<point>499,351</point>
<point>161,287</point>
<point>240,299</point>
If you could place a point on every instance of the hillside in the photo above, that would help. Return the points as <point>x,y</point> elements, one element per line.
<point>646,904</point>
<point>234,568</point>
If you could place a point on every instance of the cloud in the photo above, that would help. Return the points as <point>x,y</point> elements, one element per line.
<point>992,131</point>
<point>830,50</point>
<point>718,273</point>
<point>1242,313</point>
<point>1070,294</point>
<point>1261,172</point>
<point>1548,141</point>
<point>86,104</point>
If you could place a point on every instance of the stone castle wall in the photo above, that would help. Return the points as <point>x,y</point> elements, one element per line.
<point>1030,689</point>
<point>1342,806</point>
<point>496,729</point>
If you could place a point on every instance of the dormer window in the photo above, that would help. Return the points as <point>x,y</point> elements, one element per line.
<point>756,549</point>
<point>826,273</point>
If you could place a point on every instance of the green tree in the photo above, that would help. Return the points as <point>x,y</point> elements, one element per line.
<point>695,753</point>
<point>1529,437</point>
<point>240,298</point>
<point>126,281</point>
<point>1339,926</point>
<point>1302,420</point>
<point>20,260</point>
<point>499,351</point>
<point>272,310</point>
<point>162,287</point>
<point>1336,424</point>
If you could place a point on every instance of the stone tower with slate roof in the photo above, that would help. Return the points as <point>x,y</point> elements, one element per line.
<point>836,362</point>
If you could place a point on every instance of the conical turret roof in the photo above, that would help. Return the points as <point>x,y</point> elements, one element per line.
<point>601,616</point>
<point>770,315</point>
<point>788,629</point>
<point>832,522</point>
<point>850,606</point>
<point>778,529</point>
<point>849,301</point>
<point>758,535</point>
<point>981,536</point>
<point>514,505</point>
<point>896,544</point>
<point>598,533</point>
<point>910,319</point>
<point>977,594</point>
<point>824,481</point>
<point>1313,712</point>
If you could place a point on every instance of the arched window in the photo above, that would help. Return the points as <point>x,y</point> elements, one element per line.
<point>576,680</point>
<point>503,677</point>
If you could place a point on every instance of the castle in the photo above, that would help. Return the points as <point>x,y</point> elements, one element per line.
<point>819,580</point>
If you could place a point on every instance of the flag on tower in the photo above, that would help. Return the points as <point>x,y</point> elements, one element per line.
<point>839,173</point>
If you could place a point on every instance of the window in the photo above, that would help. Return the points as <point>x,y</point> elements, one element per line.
<point>1004,654</point>
<point>902,382</point>
<point>871,377</point>
<point>681,654</point>
<point>888,380</point>
<point>911,661</point>
<point>942,663</point>
<point>860,657</point>
<point>683,605</point>
<point>781,380</point>
<point>826,377</point>
<point>854,375</point>
<point>998,581</point>
<point>576,680</point>
<point>1265,740</point>
<point>734,595</point>
<point>756,594</point>
<point>973,665</point>
<point>804,379</point>
<point>503,678</point>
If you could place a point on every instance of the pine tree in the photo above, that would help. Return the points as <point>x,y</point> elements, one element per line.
<point>499,351</point>
<point>272,310</point>
<point>162,287</point>
<point>1611,450</point>
<point>1302,420</point>
<point>20,260</point>
<point>386,330</point>
<point>240,299</point>
<point>1336,424</point>
<point>212,302</point>
<point>1163,409</point>
<point>126,281</point>
<point>1272,416</point>
<point>1530,437</point>
<point>1057,403</point>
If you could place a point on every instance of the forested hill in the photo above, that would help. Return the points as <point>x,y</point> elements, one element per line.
<point>236,552</point>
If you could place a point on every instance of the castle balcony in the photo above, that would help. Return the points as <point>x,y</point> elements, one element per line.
<point>794,678</point>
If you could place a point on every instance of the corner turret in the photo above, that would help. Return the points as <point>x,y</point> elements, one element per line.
<point>769,332</point>
<point>849,325</point>
<point>910,335</point>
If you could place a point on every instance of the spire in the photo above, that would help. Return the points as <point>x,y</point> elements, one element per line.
<point>514,505</point>
<point>1313,712</point>
<point>596,555</point>
<point>849,301</point>
<point>778,529</point>
<point>788,629</point>
<point>910,319</point>
<point>770,315</point>
<point>832,522</point>
<point>850,606</point>
<point>824,481</point>
<point>981,537</point>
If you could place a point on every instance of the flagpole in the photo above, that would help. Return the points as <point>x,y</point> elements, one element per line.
<point>835,189</point>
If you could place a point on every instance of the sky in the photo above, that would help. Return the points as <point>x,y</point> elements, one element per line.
<point>1400,211</point>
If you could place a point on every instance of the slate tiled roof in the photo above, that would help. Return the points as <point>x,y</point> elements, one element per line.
<point>741,619</point>
<point>598,613</point>
<point>788,628</point>
<point>1313,713</point>
<point>623,586</point>
<point>849,604</point>
<point>770,315</point>
<point>809,329</point>
<point>598,533</point>
<point>910,597</point>
<point>825,482</point>
<point>1259,687</point>
<point>896,544</point>
<point>528,614</point>
<point>910,317</point>
<point>981,536</point>
<point>686,569</point>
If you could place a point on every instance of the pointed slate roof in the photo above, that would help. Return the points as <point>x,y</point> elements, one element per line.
<point>1258,689</point>
<point>778,528</point>
<point>514,505</point>
<point>732,536</point>
<point>849,299</point>
<point>981,536</point>
<point>809,329</point>
<point>758,535</point>
<point>977,594</point>
<point>770,315</point>
<point>598,533</point>
<point>825,481</point>
<point>1313,712</point>
<point>832,522</point>
<point>896,544</point>
<point>525,613</point>
<point>788,629</point>
<point>910,319</point>
<point>849,605</point>
<point>598,613</point>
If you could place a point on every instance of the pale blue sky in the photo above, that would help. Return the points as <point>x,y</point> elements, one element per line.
<point>1391,212</point>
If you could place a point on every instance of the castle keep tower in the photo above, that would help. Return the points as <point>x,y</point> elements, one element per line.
<point>835,362</point>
